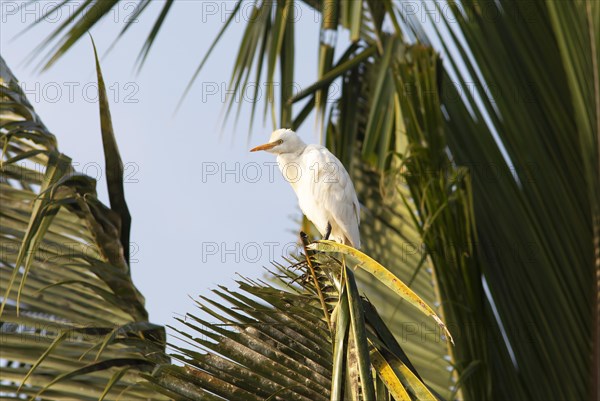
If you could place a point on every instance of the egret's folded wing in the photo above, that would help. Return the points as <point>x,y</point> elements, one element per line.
<point>332,187</point>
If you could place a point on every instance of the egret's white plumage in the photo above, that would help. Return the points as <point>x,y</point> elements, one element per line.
<point>322,184</point>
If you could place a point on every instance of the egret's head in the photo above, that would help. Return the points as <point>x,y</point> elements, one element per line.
<point>283,140</point>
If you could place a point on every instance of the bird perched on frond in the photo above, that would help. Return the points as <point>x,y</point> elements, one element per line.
<point>322,184</point>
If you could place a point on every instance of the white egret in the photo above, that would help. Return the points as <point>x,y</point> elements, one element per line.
<point>324,189</point>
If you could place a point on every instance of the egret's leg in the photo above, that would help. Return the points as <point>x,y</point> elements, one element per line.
<point>328,232</point>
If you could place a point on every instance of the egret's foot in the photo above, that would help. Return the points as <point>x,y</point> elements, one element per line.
<point>302,279</point>
<point>304,238</point>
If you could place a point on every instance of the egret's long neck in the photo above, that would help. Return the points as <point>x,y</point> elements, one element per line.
<point>294,152</point>
<point>290,164</point>
<point>286,158</point>
<point>291,157</point>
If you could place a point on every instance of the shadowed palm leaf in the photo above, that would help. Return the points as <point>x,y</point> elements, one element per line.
<point>68,304</point>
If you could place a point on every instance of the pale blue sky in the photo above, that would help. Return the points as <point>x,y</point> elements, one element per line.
<point>193,228</point>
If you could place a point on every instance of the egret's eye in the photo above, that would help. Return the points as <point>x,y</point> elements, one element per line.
<point>280,141</point>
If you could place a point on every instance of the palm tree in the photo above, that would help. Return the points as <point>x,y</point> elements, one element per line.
<point>72,318</point>
<point>479,171</point>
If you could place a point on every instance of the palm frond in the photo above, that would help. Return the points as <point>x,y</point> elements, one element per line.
<point>71,317</point>
<point>272,342</point>
<point>83,17</point>
<point>527,129</point>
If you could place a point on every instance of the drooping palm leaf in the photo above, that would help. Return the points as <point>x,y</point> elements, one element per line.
<point>72,322</point>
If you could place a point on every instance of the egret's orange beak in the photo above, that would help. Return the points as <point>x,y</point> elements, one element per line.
<point>266,146</point>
